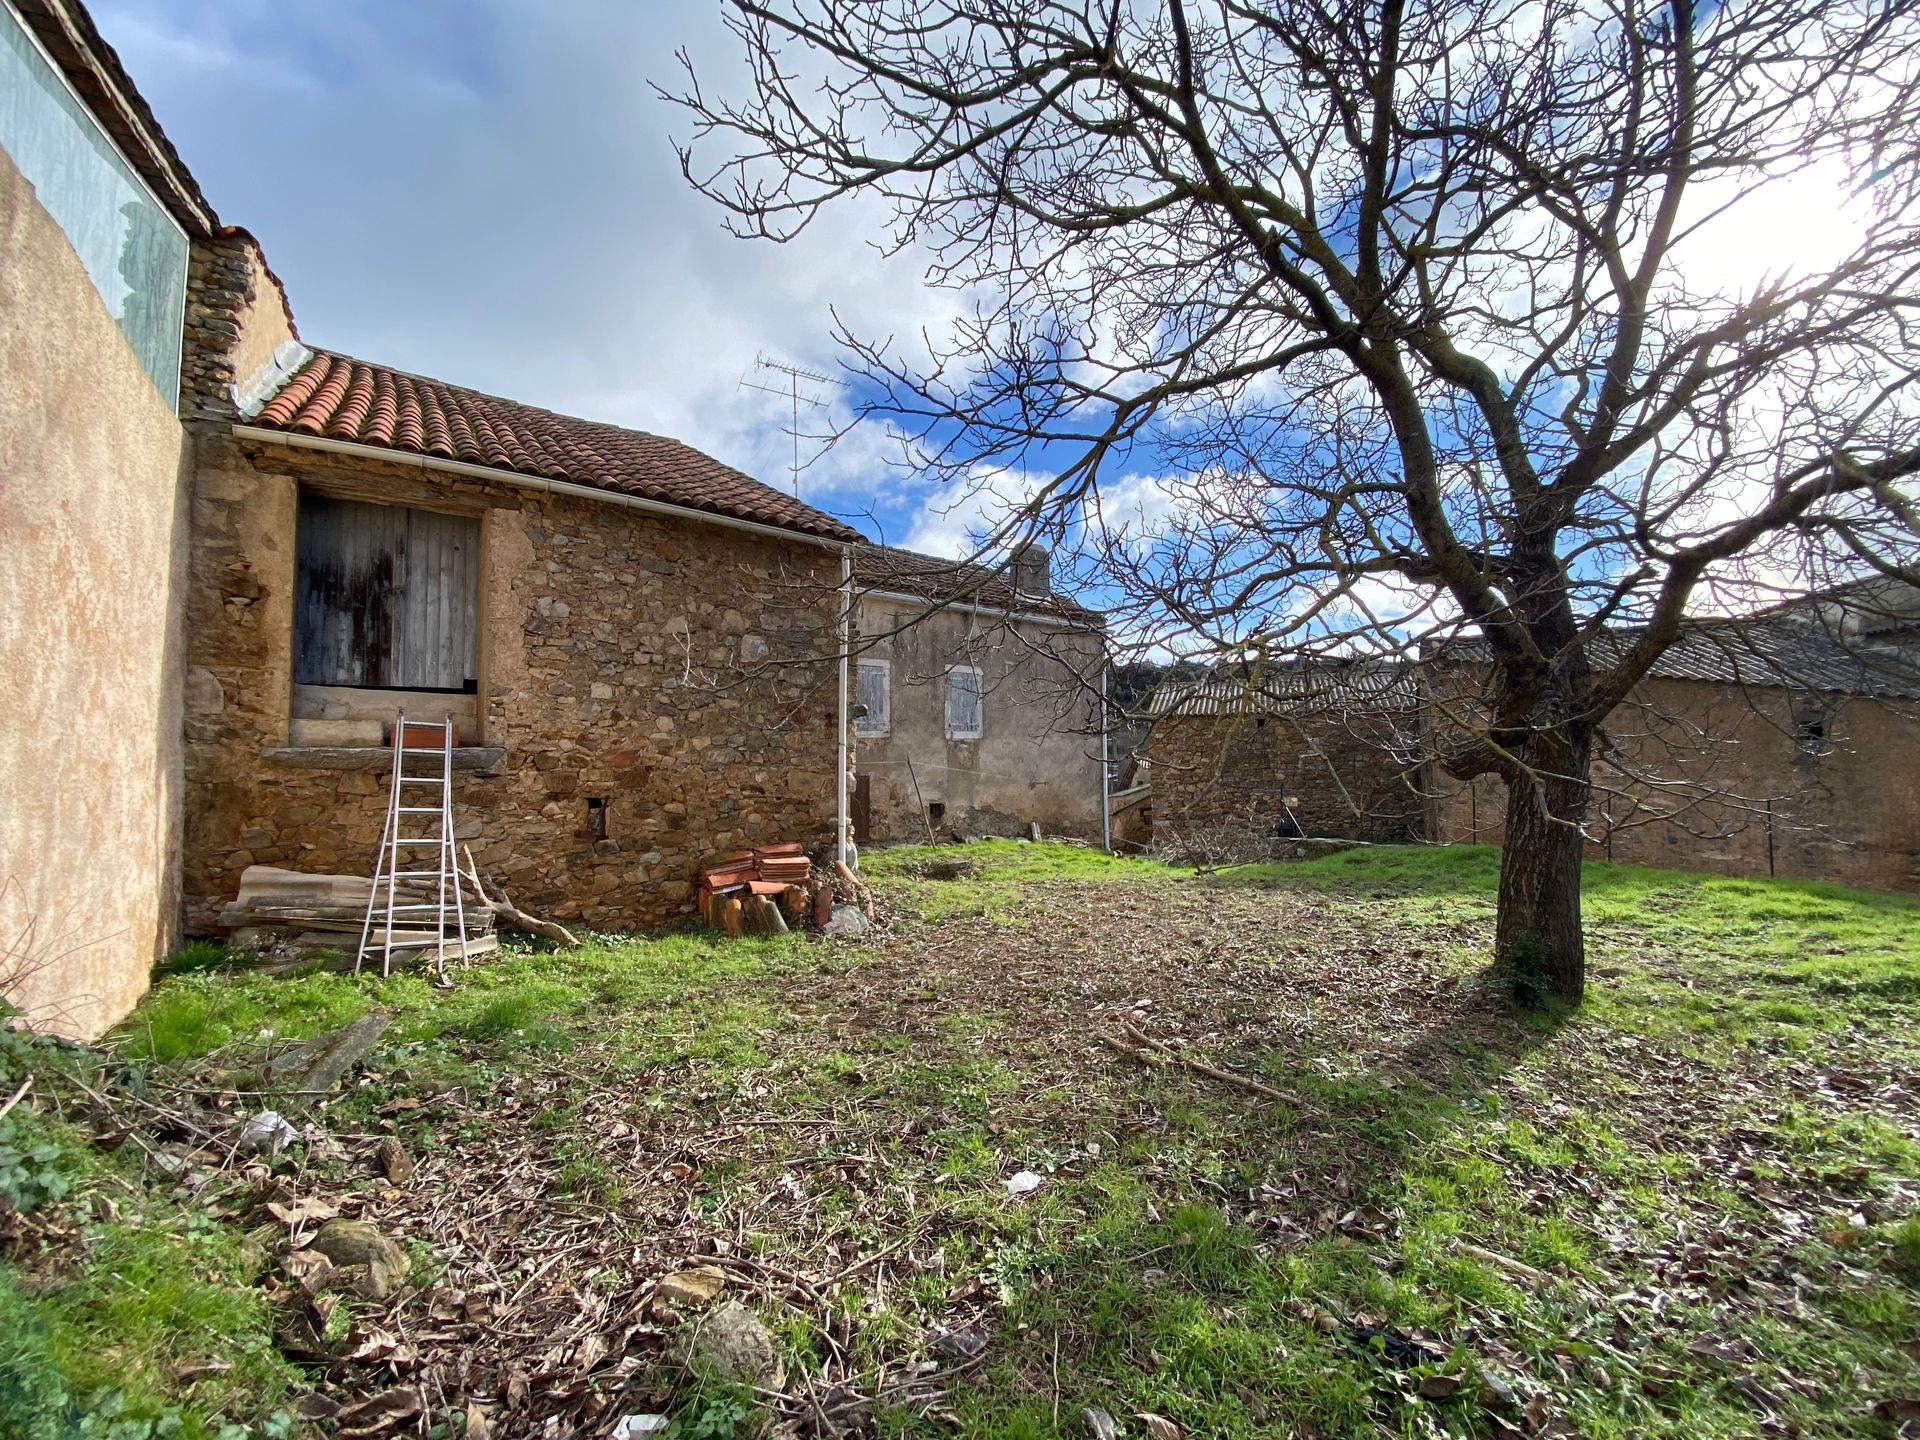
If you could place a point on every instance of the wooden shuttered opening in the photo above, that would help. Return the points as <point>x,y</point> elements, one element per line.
<point>386,597</point>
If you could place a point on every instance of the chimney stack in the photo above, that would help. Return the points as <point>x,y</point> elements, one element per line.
<point>1033,571</point>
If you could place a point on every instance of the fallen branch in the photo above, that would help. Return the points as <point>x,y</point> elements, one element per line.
<point>1519,1270</point>
<point>506,913</point>
<point>1150,1051</point>
<point>319,1064</point>
<point>14,1099</point>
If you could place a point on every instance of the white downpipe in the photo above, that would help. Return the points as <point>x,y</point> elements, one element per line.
<point>846,642</point>
<point>1106,773</point>
<point>529,482</point>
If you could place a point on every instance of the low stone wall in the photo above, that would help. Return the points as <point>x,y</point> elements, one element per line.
<point>677,673</point>
<point>1710,777</point>
<point>1232,782</point>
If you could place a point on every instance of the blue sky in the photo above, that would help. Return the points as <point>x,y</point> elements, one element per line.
<point>485,191</point>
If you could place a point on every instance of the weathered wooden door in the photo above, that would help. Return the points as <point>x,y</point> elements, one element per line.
<point>862,809</point>
<point>386,597</point>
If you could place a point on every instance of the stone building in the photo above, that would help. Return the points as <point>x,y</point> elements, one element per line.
<point>637,643</point>
<point>1786,744</point>
<point>1319,749</point>
<point>1783,744</point>
<point>977,700</point>
<point>226,559</point>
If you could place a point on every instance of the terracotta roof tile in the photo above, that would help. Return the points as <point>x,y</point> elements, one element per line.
<point>341,398</point>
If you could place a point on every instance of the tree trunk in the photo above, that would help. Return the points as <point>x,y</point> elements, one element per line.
<point>1538,942</point>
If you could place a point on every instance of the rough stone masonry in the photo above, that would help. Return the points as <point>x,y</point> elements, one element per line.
<point>676,674</point>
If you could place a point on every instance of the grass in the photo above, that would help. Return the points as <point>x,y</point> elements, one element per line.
<point>1688,1209</point>
<point>1000,875</point>
<point>155,1331</point>
<point>1741,958</point>
<point>526,999</point>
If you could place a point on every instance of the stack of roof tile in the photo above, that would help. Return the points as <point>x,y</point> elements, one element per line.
<point>736,889</point>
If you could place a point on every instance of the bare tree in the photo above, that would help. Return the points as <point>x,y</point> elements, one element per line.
<point>1397,300</point>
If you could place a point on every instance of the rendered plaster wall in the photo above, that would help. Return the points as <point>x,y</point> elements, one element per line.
<point>92,562</point>
<point>678,671</point>
<point>1038,755</point>
<point>1714,778</point>
<point>1233,777</point>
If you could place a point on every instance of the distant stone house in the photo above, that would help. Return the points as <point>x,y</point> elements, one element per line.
<point>1785,744</point>
<point>977,700</point>
<point>227,559</point>
<point>1319,749</point>
<point>1782,744</point>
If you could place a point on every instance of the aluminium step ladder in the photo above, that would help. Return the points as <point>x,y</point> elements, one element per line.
<point>402,864</point>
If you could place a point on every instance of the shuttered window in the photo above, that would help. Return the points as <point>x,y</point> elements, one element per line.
<point>871,687</point>
<point>387,598</point>
<point>964,711</point>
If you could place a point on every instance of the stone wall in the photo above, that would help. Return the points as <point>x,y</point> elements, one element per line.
<point>678,672</point>
<point>1711,777</point>
<point>1038,756</point>
<point>92,564</point>
<point>1235,779</point>
<point>236,318</point>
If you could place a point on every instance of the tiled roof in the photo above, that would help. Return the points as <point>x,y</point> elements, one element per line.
<point>885,567</point>
<point>1295,688</point>
<point>1787,649</point>
<point>339,398</point>
<point>94,70</point>
<point>1795,652</point>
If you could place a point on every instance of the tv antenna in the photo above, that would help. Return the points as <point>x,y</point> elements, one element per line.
<point>795,398</point>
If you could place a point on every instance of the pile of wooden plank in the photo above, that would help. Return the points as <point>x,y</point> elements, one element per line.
<point>290,910</point>
<point>768,890</point>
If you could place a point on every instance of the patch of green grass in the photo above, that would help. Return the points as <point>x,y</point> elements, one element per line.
<point>1903,1243</point>
<point>157,1328</point>
<point>1000,874</point>
<point>1724,958</point>
<point>535,996</point>
<point>196,955</point>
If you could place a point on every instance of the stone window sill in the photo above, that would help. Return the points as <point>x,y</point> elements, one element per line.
<point>474,759</point>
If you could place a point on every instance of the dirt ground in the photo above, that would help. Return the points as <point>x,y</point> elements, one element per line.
<point>809,1153</point>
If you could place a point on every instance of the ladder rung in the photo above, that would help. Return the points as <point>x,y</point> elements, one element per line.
<point>422,779</point>
<point>420,810</point>
<point>415,750</point>
<point>396,909</point>
<point>420,840</point>
<point>410,875</point>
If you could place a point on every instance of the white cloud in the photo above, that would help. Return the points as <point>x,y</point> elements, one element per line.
<point>953,520</point>
<point>487,193</point>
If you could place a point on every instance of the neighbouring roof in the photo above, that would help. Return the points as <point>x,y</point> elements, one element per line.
<point>96,74</point>
<point>1295,688</point>
<point>336,397</point>
<point>958,582</point>
<point>1793,651</point>
<point>1787,649</point>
